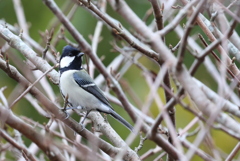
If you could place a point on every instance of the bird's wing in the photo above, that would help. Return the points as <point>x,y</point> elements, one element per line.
<point>86,82</point>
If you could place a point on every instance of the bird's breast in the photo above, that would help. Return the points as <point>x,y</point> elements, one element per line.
<point>76,95</point>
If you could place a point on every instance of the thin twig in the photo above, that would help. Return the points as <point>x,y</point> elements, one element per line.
<point>32,85</point>
<point>189,26</point>
<point>158,13</point>
<point>49,39</point>
<point>233,152</point>
<point>21,16</point>
<point>2,97</point>
<point>201,57</point>
<point>177,19</point>
<point>21,148</point>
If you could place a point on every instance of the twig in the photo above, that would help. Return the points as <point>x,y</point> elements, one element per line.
<point>147,14</point>
<point>49,39</point>
<point>215,56</point>
<point>151,152</point>
<point>49,124</point>
<point>20,16</point>
<point>189,26</point>
<point>32,85</point>
<point>226,9</point>
<point>173,49</point>
<point>158,13</point>
<point>40,140</point>
<point>35,104</point>
<point>81,151</point>
<point>14,41</point>
<point>96,37</point>
<point>163,114</point>
<point>3,98</point>
<point>177,19</point>
<point>127,87</point>
<point>21,148</point>
<point>142,139</point>
<point>233,152</point>
<point>198,151</point>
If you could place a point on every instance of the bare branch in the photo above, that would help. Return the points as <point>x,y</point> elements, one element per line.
<point>19,147</point>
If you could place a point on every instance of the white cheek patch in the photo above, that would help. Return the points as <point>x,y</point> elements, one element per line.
<point>66,61</point>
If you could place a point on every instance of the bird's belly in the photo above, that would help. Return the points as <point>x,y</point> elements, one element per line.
<point>76,95</point>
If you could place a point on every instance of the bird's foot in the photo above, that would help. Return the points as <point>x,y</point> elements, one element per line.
<point>82,126</point>
<point>70,108</point>
<point>64,110</point>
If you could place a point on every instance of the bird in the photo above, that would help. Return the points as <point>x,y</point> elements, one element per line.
<point>80,89</point>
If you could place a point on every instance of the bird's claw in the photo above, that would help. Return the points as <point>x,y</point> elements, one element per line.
<point>64,110</point>
<point>83,127</point>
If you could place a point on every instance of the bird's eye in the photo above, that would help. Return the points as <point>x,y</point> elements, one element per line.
<point>71,54</point>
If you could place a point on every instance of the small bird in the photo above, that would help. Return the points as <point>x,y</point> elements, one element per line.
<point>79,88</point>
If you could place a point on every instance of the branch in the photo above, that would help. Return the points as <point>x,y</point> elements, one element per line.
<point>158,10</point>
<point>21,148</point>
<point>43,142</point>
<point>189,26</point>
<point>15,42</point>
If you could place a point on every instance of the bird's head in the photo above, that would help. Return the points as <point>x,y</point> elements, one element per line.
<point>71,59</point>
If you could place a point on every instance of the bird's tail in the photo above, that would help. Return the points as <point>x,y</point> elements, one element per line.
<point>121,120</point>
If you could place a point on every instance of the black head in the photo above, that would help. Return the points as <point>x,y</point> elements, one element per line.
<point>71,59</point>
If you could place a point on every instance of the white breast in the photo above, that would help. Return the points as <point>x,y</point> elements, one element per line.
<point>76,95</point>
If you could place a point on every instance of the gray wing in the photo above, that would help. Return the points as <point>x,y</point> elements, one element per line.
<point>86,82</point>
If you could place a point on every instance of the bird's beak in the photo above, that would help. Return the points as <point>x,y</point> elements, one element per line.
<point>80,54</point>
